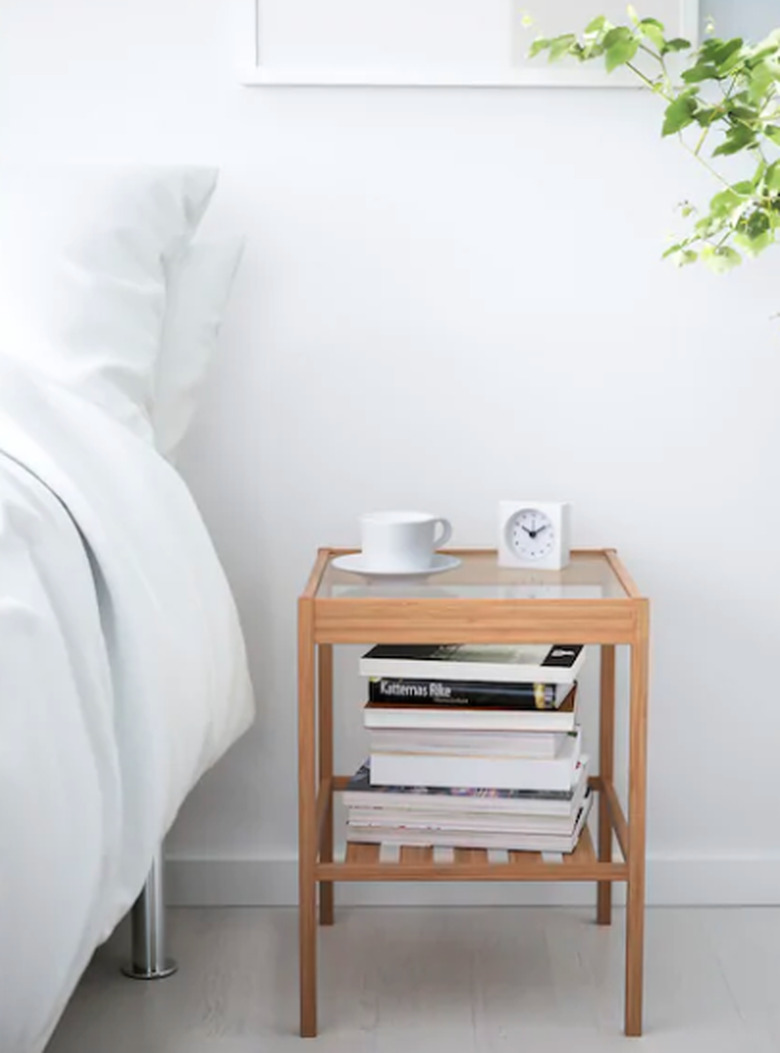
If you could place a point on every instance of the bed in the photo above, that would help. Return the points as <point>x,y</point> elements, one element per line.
<point>123,674</point>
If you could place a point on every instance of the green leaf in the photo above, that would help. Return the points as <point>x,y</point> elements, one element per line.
<point>540,44</point>
<point>632,13</point>
<point>756,231</point>
<point>721,258</point>
<point>680,255</point>
<point>754,225</point>
<point>676,44</point>
<point>707,115</point>
<point>679,114</point>
<point>708,226</point>
<point>759,53</point>
<point>755,246</point>
<point>616,34</point>
<point>559,46</point>
<point>730,66</point>
<point>709,49</point>
<point>620,46</point>
<point>746,114</point>
<point>761,78</point>
<point>738,138</point>
<point>725,203</point>
<point>728,54</point>
<point>772,132</point>
<point>746,187</point>
<point>685,257</point>
<point>620,53</point>
<point>772,176</point>
<point>653,30</point>
<point>701,71</point>
<point>596,25</point>
<point>757,224</point>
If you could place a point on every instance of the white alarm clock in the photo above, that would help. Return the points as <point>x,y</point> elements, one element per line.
<point>534,534</point>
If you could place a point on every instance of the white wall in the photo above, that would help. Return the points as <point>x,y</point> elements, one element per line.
<point>451,297</point>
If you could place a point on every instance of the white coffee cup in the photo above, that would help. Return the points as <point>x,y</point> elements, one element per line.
<point>401,542</point>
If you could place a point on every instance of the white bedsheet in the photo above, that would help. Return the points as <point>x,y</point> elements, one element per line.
<point>122,679</point>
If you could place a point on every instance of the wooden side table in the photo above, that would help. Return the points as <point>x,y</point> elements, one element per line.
<point>592,601</point>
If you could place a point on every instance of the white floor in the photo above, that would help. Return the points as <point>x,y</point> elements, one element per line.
<point>468,980</point>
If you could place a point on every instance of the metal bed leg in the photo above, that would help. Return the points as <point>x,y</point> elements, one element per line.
<point>147,952</point>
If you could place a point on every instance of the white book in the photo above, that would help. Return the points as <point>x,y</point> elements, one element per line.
<point>510,773</point>
<point>360,793</point>
<point>511,663</point>
<point>530,842</point>
<point>460,742</point>
<point>479,822</point>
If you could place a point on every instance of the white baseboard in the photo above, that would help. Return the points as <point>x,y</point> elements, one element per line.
<point>671,881</point>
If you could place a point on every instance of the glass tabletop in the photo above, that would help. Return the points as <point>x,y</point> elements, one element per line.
<point>592,574</point>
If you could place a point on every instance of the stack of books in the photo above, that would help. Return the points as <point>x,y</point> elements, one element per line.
<point>472,746</point>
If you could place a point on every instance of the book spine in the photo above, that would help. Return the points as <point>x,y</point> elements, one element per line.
<point>462,692</point>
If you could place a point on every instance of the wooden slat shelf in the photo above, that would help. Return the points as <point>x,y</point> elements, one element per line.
<point>411,854</point>
<point>417,863</point>
<point>523,859</point>
<point>362,863</point>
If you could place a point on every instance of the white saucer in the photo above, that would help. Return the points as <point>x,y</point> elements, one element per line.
<point>356,563</point>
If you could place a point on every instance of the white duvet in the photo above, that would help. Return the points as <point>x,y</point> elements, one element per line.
<point>122,678</point>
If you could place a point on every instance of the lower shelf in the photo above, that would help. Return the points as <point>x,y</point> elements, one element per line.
<point>369,862</point>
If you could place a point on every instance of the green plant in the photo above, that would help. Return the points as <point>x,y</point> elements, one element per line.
<point>727,94</point>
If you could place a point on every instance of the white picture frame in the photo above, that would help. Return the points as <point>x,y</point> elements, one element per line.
<point>318,43</point>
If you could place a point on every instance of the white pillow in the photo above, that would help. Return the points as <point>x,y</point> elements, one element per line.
<point>198,290</point>
<point>84,252</point>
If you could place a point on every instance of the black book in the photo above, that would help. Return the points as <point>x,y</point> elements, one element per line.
<point>401,691</point>
<point>508,663</point>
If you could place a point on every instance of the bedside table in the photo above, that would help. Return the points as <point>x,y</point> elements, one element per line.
<point>592,601</point>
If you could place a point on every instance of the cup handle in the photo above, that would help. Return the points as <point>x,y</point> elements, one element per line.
<point>446,532</point>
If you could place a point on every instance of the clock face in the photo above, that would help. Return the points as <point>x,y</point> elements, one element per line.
<point>531,534</point>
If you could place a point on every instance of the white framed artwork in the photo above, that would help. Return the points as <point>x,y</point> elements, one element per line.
<point>432,43</point>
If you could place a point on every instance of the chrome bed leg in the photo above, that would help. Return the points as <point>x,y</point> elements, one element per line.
<point>147,952</point>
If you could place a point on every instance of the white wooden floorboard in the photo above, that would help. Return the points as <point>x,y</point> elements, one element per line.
<point>747,946</point>
<point>462,980</point>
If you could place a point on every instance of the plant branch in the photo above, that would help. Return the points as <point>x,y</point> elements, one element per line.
<point>723,86</point>
<point>644,47</point>
<point>704,133</point>
<point>706,164</point>
<point>650,83</point>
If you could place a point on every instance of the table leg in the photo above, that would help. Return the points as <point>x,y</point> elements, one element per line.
<point>635,909</point>
<point>307,831</point>
<point>607,772</point>
<point>325,681</point>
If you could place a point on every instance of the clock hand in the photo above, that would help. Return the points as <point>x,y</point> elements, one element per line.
<point>529,532</point>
